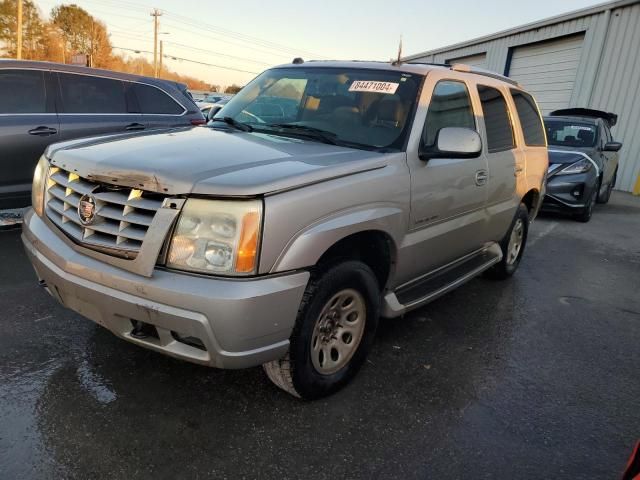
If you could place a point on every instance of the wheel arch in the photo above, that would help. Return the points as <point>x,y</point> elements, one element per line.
<point>371,235</point>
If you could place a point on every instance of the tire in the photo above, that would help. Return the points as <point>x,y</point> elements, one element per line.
<point>510,257</point>
<point>587,212</point>
<point>603,199</point>
<point>305,372</point>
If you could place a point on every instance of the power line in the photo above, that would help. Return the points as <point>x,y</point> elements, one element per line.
<point>211,52</point>
<point>209,27</point>
<point>217,39</point>
<point>173,57</point>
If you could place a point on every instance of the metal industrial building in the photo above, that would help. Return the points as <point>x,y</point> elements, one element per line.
<point>587,58</point>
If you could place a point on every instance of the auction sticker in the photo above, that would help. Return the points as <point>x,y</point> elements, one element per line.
<point>374,87</point>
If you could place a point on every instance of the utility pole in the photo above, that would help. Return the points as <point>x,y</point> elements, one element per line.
<point>156,14</point>
<point>160,69</point>
<point>19,33</point>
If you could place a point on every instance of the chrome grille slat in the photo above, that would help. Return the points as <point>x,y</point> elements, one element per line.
<point>124,200</point>
<point>136,217</point>
<point>122,215</point>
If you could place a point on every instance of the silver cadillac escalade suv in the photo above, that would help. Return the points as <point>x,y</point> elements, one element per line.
<point>323,196</point>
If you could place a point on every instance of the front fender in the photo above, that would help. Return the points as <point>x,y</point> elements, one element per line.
<point>306,248</point>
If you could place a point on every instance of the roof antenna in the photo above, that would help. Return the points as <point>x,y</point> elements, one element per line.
<point>399,59</point>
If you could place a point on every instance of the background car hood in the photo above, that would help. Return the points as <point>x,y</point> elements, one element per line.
<point>210,161</point>
<point>569,154</point>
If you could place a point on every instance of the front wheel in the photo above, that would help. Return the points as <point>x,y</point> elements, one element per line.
<point>587,211</point>
<point>604,198</point>
<point>512,246</point>
<point>333,333</point>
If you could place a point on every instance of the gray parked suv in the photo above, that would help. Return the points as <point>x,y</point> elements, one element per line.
<point>278,235</point>
<point>42,103</point>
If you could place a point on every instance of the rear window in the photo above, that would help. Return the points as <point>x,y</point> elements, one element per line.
<point>22,91</point>
<point>154,101</point>
<point>529,119</point>
<point>496,119</point>
<point>565,133</point>
<point>86,94</point>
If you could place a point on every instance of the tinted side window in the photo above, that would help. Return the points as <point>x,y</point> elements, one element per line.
<point>450,107</point>
<point>85,94</point>
<point>155,101</point>
<point>22,91</point>
<point>529,119</point>
<point>496,119</point>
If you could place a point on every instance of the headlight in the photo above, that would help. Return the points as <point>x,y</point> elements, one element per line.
<point>581,166</point>
<point>39,182</point>
<point>217,237</point>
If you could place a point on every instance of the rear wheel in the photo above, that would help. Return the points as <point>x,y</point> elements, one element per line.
<point>512,246</point>
<point>333,333</point>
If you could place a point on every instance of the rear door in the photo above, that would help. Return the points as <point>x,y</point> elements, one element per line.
<point>28,124</point>
<point>505,162</point>
<point>90,105</point>
<point>157,107</point>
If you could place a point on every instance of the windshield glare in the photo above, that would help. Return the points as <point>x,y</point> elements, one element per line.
<point>357,107</point>
<point>570,134</point>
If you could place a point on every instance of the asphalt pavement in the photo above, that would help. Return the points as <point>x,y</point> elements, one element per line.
<point>534,377</point>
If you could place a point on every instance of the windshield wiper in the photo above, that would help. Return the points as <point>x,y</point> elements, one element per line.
<point>243,127</point>
<point>317,133</point>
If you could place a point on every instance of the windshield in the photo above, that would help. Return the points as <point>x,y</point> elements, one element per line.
<point>565,133</point>
<point>354,107</point>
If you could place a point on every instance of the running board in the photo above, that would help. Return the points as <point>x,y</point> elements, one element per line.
<point>435,284</point>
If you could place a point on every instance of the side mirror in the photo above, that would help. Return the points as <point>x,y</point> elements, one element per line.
<point>453,142</point>
<point>612,147</point>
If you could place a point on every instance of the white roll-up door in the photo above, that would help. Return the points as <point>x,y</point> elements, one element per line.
<point>479,60</point>
<point>548,70</point>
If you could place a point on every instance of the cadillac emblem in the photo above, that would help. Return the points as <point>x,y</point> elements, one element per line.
<point>87,209</point>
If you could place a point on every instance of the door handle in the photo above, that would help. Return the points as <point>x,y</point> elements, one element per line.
<point>43,131</point>
<point>134,127</point>
<point>481,177</point>
<point>518,169</point>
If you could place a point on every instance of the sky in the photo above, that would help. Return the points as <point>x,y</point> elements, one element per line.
<point>238,39</point>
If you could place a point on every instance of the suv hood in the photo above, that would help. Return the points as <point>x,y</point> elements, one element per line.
<point>197,160</point>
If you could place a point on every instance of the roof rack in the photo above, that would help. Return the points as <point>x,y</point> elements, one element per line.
<point>461,67</point>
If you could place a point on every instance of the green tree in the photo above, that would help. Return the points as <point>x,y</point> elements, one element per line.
<point>33,32</point>
<point>83,34</point>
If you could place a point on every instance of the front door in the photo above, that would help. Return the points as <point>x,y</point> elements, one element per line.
<point>447,194</point>
<point>28,124</point>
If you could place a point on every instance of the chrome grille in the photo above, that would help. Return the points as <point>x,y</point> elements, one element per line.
<point>122,215</point>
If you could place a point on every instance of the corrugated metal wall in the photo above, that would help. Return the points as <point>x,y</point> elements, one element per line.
<point>608,76</point>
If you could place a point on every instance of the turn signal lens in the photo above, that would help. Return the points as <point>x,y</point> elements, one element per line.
<point>248,245</point>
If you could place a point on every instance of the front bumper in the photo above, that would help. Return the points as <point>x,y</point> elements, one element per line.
<point>569,192</point>
<point>241,323</point>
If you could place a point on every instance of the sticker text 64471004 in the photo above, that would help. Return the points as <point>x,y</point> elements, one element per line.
<point>374,87</point>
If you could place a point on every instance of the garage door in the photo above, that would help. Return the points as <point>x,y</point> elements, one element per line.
<point>548,70</point>
<point>479,60</point>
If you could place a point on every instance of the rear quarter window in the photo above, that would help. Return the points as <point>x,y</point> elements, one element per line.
<point>530,122</point>
<point>154,101</point>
